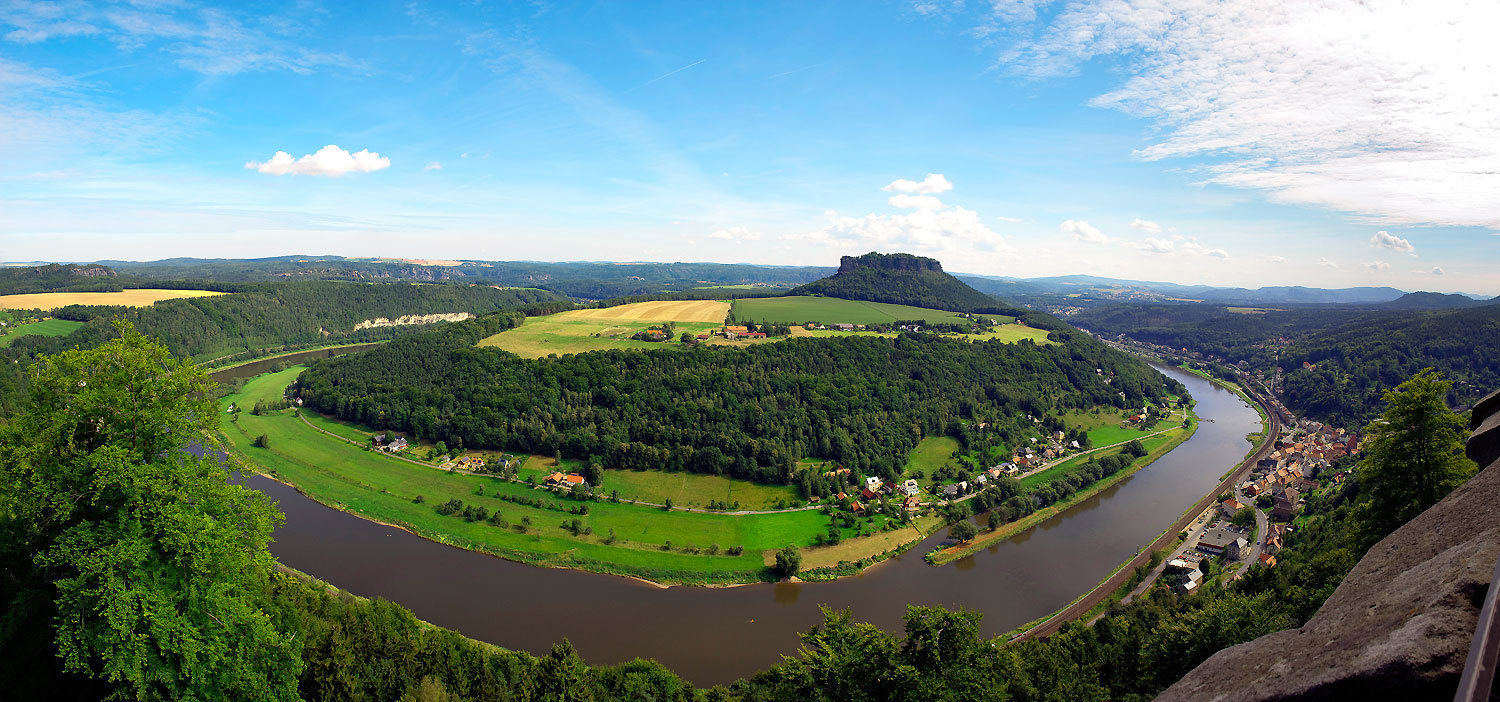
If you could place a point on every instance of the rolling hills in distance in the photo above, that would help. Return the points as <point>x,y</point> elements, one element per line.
<point>594,280</point>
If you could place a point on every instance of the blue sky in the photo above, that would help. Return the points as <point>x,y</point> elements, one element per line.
<point>1171,141</point>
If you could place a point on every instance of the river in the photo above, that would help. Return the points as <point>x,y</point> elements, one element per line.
<point>716,635</point>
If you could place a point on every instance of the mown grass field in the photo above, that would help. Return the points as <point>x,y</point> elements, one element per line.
<point>831,310</point>
<point>141,297</point>
<point>1105,428</point>
<point>46,327</point>
<point>385,489</point>
<point>695,489</point>
<point>930,453</point>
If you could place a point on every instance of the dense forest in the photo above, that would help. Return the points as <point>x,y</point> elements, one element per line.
<point>268,317</point>
<point>902,279</point>
<point>1353,354</point>
<point>748,412</point>
<point>1351,365</point>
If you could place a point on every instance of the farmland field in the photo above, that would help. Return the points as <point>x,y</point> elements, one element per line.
<point>578,331</point>
<point>831,310</point>
<point>129,298</point>
<point>649,542</point>
<point>659,311</point>
<point>46,327</point>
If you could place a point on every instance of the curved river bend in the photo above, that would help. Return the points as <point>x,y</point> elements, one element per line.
<point>715,635</point>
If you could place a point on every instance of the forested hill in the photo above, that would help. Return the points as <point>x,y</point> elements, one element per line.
<point>749,412</point>
<point>53,277</point>
<point>268,317</point>
<point>901,279</point>
<point>1352,364</point>
<point>1355,353</point>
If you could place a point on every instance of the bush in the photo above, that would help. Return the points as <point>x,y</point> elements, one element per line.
<point>261,441</point>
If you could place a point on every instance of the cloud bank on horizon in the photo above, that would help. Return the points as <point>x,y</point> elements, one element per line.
<point>1203,141</point>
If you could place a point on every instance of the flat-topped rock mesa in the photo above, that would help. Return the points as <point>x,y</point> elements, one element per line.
<point>902,279</point>
<point>889,262</point>
<point>1400,625</point>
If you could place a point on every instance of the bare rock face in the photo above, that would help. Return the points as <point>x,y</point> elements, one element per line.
<point>1400,625</point>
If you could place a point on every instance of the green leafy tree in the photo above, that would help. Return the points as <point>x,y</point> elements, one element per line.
<point>1413,457</point>
<point>964,530</point>
<point>788,561</point>
<point>146,566</point>
<point>1243,517</point>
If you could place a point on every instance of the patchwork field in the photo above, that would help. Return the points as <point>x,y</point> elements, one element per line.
<point>669,546</point>
<point>46,327</point>
<point>578,331</point>
<point>129,298</point>
<point>659,311</point>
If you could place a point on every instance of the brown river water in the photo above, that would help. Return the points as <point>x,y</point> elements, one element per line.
<point>716,635</point>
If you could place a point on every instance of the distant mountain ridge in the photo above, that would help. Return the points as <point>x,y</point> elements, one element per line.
<point>901,279</point>
<point>1434,301</point>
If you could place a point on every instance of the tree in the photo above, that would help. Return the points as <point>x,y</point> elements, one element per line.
<point>1134,448</point>
<point>261,441</point>
<point>964,530</point>
<point>1413,457</point>
<point>127,543</point>
<point>687,338</point>
<point>1244,517</point>
<point>788,561</point>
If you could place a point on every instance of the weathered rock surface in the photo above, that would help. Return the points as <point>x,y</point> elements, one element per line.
<point>1400,625</point>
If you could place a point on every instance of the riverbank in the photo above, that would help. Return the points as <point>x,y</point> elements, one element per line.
<point>985,539</point>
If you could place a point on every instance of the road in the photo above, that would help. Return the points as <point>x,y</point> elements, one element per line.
<point>1108,587</point>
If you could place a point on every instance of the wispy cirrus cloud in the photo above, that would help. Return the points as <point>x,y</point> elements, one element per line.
<point>1383,109</point>
<point>203,39</point>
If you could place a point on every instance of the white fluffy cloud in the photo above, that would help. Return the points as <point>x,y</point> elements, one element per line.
<point>1161,246</point>
<point>1324,262</point>
<point>330,161</point>
<point>1083,231</point>
<point>1376,266</point>
<point>934,183</point>
<point>735,234</point>
<point>433,166</point>
<point>930,227</point>
<point>915,202</point>
<point>1382,108</point>
<point>1386,240</point>
<point>1276,259</point>
<point>1436,270</point>
<point>1146,225</point>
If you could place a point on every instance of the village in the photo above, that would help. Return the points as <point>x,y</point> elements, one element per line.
<point>1250,526</point>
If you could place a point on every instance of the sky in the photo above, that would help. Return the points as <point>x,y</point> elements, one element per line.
<point>1225,142</point>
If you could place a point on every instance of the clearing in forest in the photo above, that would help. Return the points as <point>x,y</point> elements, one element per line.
<point>139,297</point>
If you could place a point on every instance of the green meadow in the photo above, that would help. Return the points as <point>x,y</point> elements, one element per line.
<point>661,545</point>
<point>46,327</point>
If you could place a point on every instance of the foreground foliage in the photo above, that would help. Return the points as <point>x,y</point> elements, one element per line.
<point>127,558</point>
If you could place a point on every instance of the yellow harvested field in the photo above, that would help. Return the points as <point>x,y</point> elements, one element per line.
<point>658,311</point>
<point>129,298</point>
